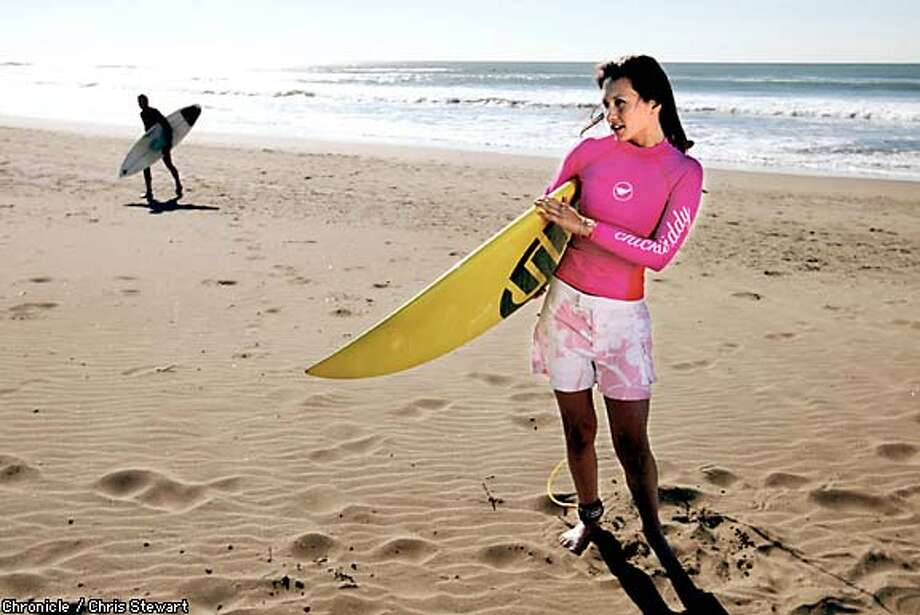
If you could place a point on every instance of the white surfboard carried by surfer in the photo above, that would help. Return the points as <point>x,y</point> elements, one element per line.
<point>149,148</point>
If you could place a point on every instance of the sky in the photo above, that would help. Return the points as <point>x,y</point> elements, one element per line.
<point>278,33</point>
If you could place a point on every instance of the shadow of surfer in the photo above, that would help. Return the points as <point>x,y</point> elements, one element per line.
<point>640,588</point>
<point>159,207</point>
<point>151,116</point>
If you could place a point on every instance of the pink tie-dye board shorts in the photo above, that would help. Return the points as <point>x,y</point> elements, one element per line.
<point>582,339</point>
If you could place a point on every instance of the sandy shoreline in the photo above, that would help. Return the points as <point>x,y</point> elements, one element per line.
<point>160,439</point>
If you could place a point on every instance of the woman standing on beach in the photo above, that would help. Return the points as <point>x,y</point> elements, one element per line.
<point>640,193</point>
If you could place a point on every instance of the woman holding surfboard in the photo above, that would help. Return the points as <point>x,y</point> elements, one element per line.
<point>640,194</point>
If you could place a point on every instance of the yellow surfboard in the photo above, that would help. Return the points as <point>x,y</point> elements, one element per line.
<point>480,291</point>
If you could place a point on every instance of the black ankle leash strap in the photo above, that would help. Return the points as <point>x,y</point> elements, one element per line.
<point>591,513</point>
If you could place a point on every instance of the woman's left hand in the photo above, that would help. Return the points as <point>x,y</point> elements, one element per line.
<point>563,214</point>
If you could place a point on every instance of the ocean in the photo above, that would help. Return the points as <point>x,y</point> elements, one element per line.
<point>826,119</point>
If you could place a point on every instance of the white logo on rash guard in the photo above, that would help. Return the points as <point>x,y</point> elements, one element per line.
<point>623,191</point>
<point>676,226</point>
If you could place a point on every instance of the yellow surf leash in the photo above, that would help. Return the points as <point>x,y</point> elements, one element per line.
<point>549,487</point>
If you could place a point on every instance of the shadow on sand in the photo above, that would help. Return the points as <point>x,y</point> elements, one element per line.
<point>640,588</point>
<point>159,207</point>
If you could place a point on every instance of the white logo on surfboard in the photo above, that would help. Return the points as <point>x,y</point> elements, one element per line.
<point>623,191</point>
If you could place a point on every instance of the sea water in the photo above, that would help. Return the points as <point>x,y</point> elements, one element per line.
<point>833,119</point>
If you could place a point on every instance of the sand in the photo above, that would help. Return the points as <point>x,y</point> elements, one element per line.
<point>159,440</point>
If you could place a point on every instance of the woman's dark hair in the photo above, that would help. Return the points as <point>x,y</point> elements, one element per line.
<point>651,83</point>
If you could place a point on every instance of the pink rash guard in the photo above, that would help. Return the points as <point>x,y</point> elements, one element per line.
<point>627,189</point>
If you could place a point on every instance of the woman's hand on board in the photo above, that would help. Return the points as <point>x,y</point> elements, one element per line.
<point>563,214</point>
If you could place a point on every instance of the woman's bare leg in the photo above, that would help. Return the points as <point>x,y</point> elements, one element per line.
<point>580,425</point>
<point>629,428</point>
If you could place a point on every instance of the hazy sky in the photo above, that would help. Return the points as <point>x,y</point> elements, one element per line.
<point>288,32</point>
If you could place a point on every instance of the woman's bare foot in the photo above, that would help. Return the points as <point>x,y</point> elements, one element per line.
<point>576,539</point>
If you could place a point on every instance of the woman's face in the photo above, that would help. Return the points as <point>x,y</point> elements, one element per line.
<point>629,117</point>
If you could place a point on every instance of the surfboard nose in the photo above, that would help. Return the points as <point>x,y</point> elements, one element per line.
<point>190,114</point>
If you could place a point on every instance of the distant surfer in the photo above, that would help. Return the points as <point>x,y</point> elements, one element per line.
<point>151,116</point>
<point>640,194</point>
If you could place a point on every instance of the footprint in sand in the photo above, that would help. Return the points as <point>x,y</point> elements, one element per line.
<point>785,480</point>
<point>853,501</point>
<point>14,471</point>
<point>896,451</point>
<point>542,504</point>
<point>359,514</point>
<point>284,269</point>
<point>535,421</point>
<point>30,311</point>
<point>210,282</point>
<point>326,401</point>
<point>342,430</point>
<point>830,604</point>
<point>748,295</point>
<point>779,336</point>
<point>352,448</point>
<point>678,496</point>
<point>313,546</point>
<point>687,366</point>
<point>154,490</point>
<point>533,397</point>
<point>210,593</point>
<point>493,379</point>
<point>421,407</point>
<point>908,492</point>
<point>318,499</point>
<point>874,561</point>
<point>913,324</point>
<point>719,476</point>
<point>901,599</point>
<point>40,279</point>
<point>253,351</point>
<point>415,550</point>
<point>513,556</point>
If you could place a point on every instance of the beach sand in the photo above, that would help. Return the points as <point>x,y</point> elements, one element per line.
<point>159,439</point>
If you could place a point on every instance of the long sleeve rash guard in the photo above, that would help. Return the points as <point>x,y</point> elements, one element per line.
<point>644,200</point>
